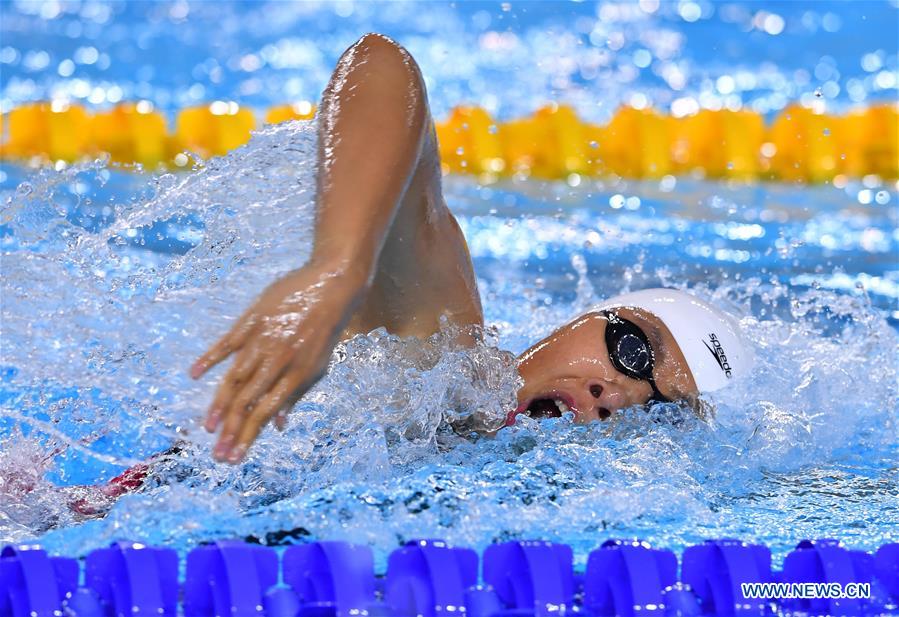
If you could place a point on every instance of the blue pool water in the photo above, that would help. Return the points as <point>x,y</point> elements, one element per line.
<point>114,281</point>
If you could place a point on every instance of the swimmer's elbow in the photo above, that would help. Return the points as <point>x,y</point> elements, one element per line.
<point>384,53</point>
<point>380,43</point>
<point>397,70</point>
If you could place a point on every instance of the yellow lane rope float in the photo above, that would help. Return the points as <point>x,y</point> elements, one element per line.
<point>800,145</point>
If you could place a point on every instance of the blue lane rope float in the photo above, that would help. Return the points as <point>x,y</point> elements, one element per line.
<point>331,577</point>
<point>886,569</point>
<point>827,560</point>
<point>610,588</point>
<point>32,584</point>
<point>229,578</point>
<point>715,570</point>
<point>129,574</point>
<point>429,578</point>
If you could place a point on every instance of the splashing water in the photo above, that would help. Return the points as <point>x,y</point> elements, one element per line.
<point>106,302</point>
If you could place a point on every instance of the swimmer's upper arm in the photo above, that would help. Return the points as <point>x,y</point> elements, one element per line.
<point>382,189</point>
<point>372,124</point>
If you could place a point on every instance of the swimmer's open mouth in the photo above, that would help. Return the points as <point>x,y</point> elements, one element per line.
<point>551,405</point>
<point>547,408</point>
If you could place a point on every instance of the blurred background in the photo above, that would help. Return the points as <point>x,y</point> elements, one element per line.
<point>509,57</point>
<point>786,90</point>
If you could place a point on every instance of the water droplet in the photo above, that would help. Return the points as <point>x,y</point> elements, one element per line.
<point>24,189</point>
<point>818,93</point>
<point>166,182</point>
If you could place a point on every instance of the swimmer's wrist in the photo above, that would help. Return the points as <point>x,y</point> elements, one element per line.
<point>348,267</point>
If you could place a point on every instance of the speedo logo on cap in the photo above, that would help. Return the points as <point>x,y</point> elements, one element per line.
<point>717,352</point>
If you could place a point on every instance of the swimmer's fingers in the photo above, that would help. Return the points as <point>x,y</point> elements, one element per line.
<point>283,391</point>
<point>281,419</point>
<point>225,346</point>
<point>215,354</point>
<point>216,411</point>
<point>281,416</point>
<point>240,372</point>
<point>247,362</point>
<point>268,369</point>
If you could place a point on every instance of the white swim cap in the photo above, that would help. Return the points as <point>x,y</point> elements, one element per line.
<point>709,338</point>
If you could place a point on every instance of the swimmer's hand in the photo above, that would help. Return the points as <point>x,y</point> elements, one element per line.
<point>281,345</point>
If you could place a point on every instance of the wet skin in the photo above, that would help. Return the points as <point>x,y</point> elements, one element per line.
<point>388,253</point>
<point>571,366</point>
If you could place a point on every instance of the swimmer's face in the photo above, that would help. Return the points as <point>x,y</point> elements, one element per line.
<point>571,369</point>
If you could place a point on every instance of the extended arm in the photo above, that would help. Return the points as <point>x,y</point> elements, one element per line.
<point>387,251</point>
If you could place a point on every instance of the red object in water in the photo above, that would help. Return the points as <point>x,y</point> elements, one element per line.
<point>102,497</point>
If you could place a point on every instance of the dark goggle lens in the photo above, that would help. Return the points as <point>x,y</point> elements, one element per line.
<point>630,351</point>
<point>633,354</point>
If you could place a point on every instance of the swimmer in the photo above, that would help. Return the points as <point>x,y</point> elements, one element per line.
<point>389,253</point>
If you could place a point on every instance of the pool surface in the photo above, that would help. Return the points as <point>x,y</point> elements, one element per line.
<point>114,281</point>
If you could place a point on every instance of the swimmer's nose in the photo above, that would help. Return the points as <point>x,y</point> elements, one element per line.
<point>596,391</point>
<point>603,398</point>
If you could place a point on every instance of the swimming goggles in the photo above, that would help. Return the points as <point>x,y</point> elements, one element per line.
<point>630,351</point>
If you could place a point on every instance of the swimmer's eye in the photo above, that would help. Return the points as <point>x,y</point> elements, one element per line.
<point>630,351</point>
<point>634,353</point>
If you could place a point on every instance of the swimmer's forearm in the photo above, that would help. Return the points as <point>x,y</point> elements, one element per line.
<point>373,121</point>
